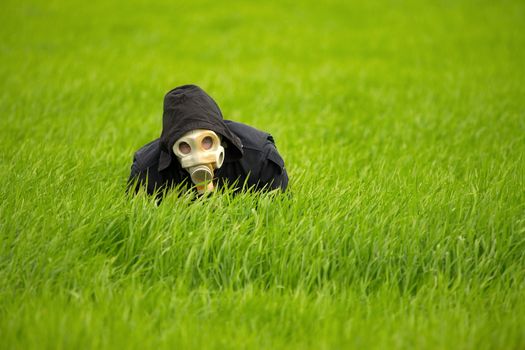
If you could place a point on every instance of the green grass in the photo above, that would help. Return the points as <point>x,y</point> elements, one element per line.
<point>402,124</point>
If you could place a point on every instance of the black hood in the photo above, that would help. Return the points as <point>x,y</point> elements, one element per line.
<point>187,108</point>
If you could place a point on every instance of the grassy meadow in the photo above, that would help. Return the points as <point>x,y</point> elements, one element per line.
<point>402,124</point>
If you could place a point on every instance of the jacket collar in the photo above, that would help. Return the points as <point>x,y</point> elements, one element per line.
<point>164,160</point>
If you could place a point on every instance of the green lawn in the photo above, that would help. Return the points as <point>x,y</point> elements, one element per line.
<point>402,124</point>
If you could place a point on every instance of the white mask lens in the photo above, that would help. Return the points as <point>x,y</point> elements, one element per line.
<point>207,143</point>
<point>184,148</point>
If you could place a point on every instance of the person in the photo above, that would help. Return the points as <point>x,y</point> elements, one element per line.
<point>199,149</point>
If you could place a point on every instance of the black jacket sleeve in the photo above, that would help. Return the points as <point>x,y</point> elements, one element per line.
<point>136,178</point>
<point>144,171</point>
<point>273,173</point>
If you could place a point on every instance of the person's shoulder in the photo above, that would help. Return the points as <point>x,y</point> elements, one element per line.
<point>251,137</point>
<point>147,156</point>
<point>261,158</point>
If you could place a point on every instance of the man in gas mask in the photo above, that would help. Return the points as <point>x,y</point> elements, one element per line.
<point>200,149</point>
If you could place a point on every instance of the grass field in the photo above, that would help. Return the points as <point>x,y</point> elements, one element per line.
<point>402,124</point>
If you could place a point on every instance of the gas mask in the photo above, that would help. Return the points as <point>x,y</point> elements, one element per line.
<point>200,153</point>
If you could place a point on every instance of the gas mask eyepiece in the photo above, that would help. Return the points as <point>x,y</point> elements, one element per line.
<point>200,152</point>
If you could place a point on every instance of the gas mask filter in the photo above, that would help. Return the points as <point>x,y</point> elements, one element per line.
<point>200,152</point>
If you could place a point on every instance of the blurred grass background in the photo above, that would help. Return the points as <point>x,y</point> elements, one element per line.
<point>402,126</point>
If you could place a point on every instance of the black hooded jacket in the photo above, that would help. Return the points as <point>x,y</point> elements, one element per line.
<point>251,158</point>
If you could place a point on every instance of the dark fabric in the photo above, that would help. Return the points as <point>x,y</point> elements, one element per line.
<point>187,108</point>
<point>251,161</point>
